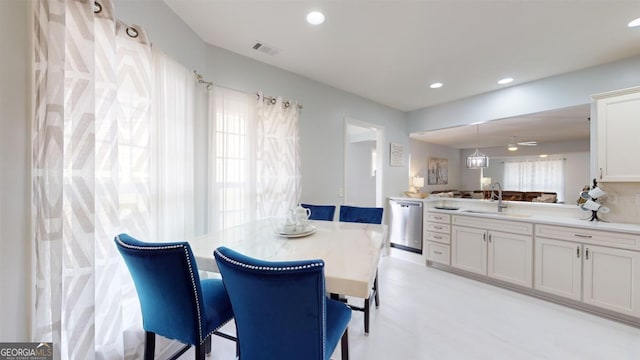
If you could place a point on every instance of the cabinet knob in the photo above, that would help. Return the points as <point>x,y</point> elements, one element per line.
<point>437,252</point>
<point>578,251</point>
<point>586,254</point>
<point>600,173</point>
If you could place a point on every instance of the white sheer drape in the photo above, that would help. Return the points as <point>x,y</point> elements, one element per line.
<point>174,115</point>
<point>231,158</point>
<point>535,175</point>
<point>253,156</point>
<point>99,167</point>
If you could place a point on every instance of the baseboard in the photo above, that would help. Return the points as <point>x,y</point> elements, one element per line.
<point>611,315</point>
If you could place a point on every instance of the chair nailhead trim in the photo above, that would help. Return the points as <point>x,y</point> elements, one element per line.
<point>270,268</point>
<point>285,268</point>
<point>193,281</point>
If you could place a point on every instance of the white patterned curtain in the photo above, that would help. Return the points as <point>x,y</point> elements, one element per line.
<point>253,156</point>
<point>535,175</point>
<point>98,170</point>
<point>278,159</point>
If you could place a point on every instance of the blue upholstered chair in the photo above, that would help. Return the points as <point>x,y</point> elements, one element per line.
<point>369,215</point>
<point>281,309</point>
<point>320,212</point>
<point>175,303</point>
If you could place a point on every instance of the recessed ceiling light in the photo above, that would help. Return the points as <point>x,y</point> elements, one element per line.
<point>436,85</point>
<point>634,23</point>
<point>543,155</point>
<point>505,81</point>
<point>315,18</point>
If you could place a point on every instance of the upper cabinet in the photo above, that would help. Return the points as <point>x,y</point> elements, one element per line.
<point>618,135</point>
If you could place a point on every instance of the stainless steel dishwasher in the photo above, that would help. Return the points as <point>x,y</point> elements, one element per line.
<point>406,225</point>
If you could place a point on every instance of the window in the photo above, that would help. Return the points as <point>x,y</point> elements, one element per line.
<point>230,141</point>
<point>535,175</point>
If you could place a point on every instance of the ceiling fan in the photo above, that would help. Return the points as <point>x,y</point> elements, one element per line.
<point>513,145</point>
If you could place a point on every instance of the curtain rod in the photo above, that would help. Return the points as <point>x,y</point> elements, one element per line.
<point>201,80</point>
<point>273,100</point>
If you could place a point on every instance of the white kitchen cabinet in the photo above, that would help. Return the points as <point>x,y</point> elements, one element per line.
<point>437,232</point>
<point>469,249</point>
<point>510,257</point>
<point>618,135</point>
<point>500,255</point>
<point>571,265</point>
<point>611,278</point>
<point>558,268</point>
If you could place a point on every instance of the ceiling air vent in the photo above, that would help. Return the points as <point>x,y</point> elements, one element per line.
<point>267,49</point>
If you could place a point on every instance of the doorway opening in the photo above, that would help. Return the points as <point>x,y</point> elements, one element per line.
<point>363,170</point>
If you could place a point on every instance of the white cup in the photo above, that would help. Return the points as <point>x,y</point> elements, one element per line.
<point>596,193</point>
<point>591,205</point>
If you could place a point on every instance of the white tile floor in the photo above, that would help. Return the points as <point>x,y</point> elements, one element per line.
<point>427,314</point>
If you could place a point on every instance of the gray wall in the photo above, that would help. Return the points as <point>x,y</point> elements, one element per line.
<point>421,152</point>
<point>15,263</point>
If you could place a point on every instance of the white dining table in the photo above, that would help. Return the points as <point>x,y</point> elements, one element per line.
<point>351,251</point>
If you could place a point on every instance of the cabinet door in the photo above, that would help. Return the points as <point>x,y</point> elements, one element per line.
<point>611,278</point>
<point>469,249</point>
<point>617,135</point>
<point>510,258</point>
<point>558,267</point>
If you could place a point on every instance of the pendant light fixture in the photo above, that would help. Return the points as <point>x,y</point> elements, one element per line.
<point>477,160</point>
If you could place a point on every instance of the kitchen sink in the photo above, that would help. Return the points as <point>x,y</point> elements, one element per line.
<point>489,212</point>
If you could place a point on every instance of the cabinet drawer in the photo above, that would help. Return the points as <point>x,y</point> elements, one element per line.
<point>439,237</point>
<point>515,227</point>
<point>439,228</point>
<point>438,252</point>
<point>588,236</point>
<point>439,218</point>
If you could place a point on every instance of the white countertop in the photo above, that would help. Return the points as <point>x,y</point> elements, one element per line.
<point>538,213</point>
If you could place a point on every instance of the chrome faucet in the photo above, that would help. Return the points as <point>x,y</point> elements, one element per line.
<point>497,196</point>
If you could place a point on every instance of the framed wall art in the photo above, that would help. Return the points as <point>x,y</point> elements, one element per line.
<point>396,155</point>
<point>438,172</point>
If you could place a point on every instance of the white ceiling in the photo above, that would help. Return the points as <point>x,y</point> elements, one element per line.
<point>390,51</point>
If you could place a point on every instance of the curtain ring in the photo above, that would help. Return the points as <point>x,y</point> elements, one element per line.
<point>287,104</point>
<point>132,32</point>
<point>97,8</point>
<point>273,101</point>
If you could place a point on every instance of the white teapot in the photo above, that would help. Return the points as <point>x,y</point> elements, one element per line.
<point>300,215</point>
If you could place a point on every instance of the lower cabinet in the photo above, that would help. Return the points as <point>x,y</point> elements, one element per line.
<point>499,255</point>
<point>437,237</point>
<point>610,276</point>
<point>558,268</point>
